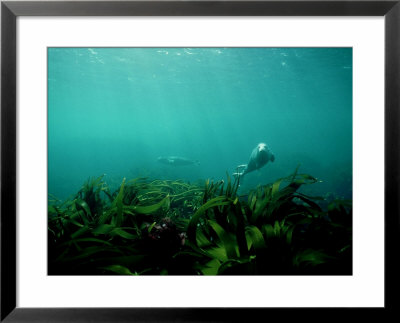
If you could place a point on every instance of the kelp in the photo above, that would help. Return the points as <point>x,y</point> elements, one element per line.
<point>153,227</point>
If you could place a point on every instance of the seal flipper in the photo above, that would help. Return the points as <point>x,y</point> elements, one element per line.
<point>240,170</point>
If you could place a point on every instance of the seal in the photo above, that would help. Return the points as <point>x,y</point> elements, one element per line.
<point>259,157</point>
<point>177,161</point>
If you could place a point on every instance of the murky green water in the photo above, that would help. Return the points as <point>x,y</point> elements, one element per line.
<point>114,111</point>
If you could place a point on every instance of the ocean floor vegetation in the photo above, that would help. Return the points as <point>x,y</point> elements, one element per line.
<point>171,227</point>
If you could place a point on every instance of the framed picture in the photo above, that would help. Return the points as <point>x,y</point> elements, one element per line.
<point>198,161</point>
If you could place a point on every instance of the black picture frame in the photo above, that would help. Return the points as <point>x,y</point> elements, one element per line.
<point>10,10</point>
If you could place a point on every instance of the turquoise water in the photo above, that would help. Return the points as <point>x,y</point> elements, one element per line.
<point>114,111</point>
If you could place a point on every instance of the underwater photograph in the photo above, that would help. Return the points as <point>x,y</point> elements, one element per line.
<point>200,161</point>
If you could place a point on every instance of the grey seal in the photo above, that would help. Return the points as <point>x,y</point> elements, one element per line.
<point>177,161</point>
<point>259,157</point>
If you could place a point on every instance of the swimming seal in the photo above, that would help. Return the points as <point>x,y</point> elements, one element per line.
<point>259,157</point>
<point>177,161</point>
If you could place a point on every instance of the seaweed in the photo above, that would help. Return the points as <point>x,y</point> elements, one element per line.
<point>167,227</point>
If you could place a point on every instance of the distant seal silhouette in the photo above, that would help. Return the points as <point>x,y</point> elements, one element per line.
<point>259,157</point>
<point>177,161</point>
